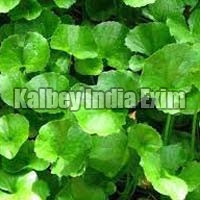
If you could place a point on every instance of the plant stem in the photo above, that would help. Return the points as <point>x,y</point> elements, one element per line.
<point>194,125</point>
<point>168,128</point>
<point>129,189</point>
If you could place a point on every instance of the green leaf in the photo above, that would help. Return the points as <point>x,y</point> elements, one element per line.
<point>100,10</point>
<point>82,191</point>
<point>190,98</point>
<point>30,51</point>
<point>79,189</point>
<point>25,186</point>
<point>28,9</point>
<point>162,182</point>
<point>14,131</point>
<point>6,5</point>
<point>8,82</point>
<point>190,175</point>
<point>45,24</point>
<point>59,62</point>
<point>64,3</point>
<point>138,3</point>
<point>65,146</point>
<point>175,73</point>
<point>173,157</point>
<point>194,22</point>
<point>109,154</point>
<point>125,80</point>
<point>66,38</point>
<point>102,122</point>
<point>179,29</point>
<point>136,63</point>
<point>49,80</point>
<point>151,165</point>
<point>162,9</point>
<point>144,138</point>
<point>25,159</point>
<point>5,31</point>
<point>99,118</point>
<point>148,38</point>
<point>195,195</point>
<point>172,186</point>
<point>89,66</point>
<point>110,37</point>
<point>175,76</point>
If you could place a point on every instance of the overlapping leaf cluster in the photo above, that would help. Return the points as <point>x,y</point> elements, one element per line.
<point>86,155</point>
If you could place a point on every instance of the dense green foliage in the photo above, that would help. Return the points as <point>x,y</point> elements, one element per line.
<point>108,153</point>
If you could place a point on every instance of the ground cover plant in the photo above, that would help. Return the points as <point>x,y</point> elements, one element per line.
<point>59,140</point>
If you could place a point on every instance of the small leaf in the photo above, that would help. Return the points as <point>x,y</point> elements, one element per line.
<point>66,38</point>
<point>25,159</point>
<point>138,3</point>
<point>194,22</point>
<point>79,189</point>
<point>162,182</point>
<point>24,186</point>
<point>28,9</point>
<point>14,131</point>
<point>136,63</point>
<point>190,175</point>
<point>45,24</point>
<point>82,191</point>
<point>64,3</point>
<point>179,29</point>
<point>89,66</point>
<point>173,157</point>
<point>121,80</point>
<point>102,122</point>
<point>162,9</point>
<point>46,101</point>
<point>66,147</point>
<point>30,51</point>
<point>148,38</point>
<point>172,186</point>
<point>144,138</point>
<point>96,115</point>
<point>110,37</point>
<point>6,5</point>
<point>109,154</point>
<point>175,73</point>
<point>8,82</point>
<point>190,98</point>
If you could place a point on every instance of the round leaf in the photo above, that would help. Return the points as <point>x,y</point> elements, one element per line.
<point>28,9</point>
<point>148,38</point>
<point>8,82</point>
<point>89,66</point>
<point>65,146</point>
<point>30,51</point>
<point>6,5</point>
<point>110,37</point>
<point>14,131</point>
<point>46,101</point>
<point>176,73</point>
<point>66,38</point>
<point>144,138</point>
<point>109,154</point>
